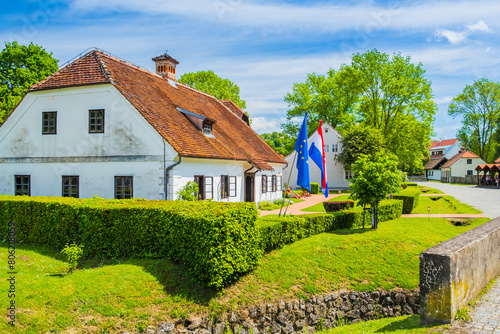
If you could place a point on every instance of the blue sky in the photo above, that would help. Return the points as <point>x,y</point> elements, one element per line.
<point>266,46</point>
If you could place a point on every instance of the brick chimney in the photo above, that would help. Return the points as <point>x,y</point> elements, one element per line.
<point>165,66</point>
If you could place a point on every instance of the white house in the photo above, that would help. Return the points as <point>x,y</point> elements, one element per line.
<point>460,168</point>
<point>104,127</point>
<point>336,174</point>
<point>440,152</point>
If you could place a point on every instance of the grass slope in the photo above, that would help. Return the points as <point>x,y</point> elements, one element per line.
<point>442,204</point>
<point>120,295</point>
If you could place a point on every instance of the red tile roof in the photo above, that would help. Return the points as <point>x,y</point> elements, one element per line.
<point>157,101</point>
<point>444,142</point>
<point>497,161</point>
<point>458,156</point>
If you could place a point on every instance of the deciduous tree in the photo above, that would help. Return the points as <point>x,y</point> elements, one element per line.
<point>281,142</point>
<point>210,83</point>
<point>359,139</point>
<point>374,178</point>
<point>390,94</point>
<point>479,107</point>
<point>21,67</point>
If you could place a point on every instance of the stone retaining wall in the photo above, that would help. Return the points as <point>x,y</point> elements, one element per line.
<point>453,273</point>
<point>287,317</point>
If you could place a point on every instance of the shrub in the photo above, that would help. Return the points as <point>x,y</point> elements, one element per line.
<point>410,198</point>
<point>333,206</point>
<point>188,192</point>
<point>216,242</point>
<point>73,254</point>
<point>409,184</point>
<point>267,205</point>
<point>314,188</point>
<point>276,233</point>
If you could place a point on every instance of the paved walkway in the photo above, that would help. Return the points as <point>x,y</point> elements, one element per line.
<point>296,207</point>
<point>485,315</point>
<point>486,200</point>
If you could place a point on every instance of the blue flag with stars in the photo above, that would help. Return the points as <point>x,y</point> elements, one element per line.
<point>303,157</point>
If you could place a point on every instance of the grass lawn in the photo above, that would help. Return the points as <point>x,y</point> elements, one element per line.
<point>271,206</point>
<point>427,190</point>
<point>442,204</point>
<point>129,294</point>
<point>404,324</point>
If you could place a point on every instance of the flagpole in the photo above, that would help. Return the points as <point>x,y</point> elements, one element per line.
<point>288,184</point>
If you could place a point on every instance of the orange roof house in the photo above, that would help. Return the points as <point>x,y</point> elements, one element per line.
<point>460,165</point>
<point>204,131</point>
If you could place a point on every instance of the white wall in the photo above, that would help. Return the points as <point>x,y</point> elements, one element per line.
<point>461,167</point>
<point>335,170</point>
<point>436,175</point>
<point>269,195</point>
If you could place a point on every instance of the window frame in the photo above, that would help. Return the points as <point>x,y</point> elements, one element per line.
<point>123,178</point>
<point>273,178</point>
<point>70,177</point>
<point>21,183</point>
<point>469,161</point>
<point>49,132</point>
<point>232,190</point>
<point>224,186</point>
<point>347,172</point>
<point>264,184</point>
<point>95,124</point>
<point>470,172</point>
<point>205,179</point>
<point>279,183</point>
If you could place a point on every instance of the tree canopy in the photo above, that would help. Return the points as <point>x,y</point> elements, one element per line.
<point>479,107</point>
<point>357,140</point>
<point>21,67</point>
<point>375,176</point>
<point>282,143</point>
<point>390,94</point>
<point>210,83</point>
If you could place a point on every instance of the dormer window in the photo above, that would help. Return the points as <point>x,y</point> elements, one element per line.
<point>207,127</point>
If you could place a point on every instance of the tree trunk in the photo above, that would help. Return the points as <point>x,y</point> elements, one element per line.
<point>375,214</point>
<point>364,214</point>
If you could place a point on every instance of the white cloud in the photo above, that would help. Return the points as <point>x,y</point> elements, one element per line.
<point>452,36</point>
<point>479,26</point>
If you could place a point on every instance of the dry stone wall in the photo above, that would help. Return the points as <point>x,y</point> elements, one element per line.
<point>298,316</point>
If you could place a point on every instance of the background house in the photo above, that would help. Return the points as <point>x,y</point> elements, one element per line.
<point>460,168</point>
<point>337,176</point>
<point>440,152</point>
<point>102,126</point>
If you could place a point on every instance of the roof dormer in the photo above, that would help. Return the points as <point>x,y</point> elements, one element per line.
<point>165,66</point>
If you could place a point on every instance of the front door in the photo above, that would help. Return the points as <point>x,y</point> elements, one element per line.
<point>250,188</point>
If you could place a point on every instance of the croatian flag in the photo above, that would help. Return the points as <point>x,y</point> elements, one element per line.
<point>317,154</point>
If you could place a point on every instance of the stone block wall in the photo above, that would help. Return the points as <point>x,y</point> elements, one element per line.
<point>298,316</point>
<point>453,273</point>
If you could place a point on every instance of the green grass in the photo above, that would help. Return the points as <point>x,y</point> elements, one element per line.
<point>427,190</point>
<point>118,295</point>
<point>442,205</point>
<point>404,324</point>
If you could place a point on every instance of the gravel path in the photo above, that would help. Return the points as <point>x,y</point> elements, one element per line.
<point>486,200</point>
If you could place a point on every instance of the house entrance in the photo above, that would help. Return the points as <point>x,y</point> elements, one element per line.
<point>250,188</point>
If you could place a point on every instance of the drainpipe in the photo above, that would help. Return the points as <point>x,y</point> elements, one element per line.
<point>166,174</point>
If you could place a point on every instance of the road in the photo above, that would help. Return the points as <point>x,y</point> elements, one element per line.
<point>486,200</point>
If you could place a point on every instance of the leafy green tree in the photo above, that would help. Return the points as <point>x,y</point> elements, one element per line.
<point>479,107</point>
<point>374,178</point>
<point>329,97</point>
<point>21,67</point>
<point>188,192</point>
<point>390,94</point>
<point>282,143</point>
<point>359,139</point>
<point>210,83</point>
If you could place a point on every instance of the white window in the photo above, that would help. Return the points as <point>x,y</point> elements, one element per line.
<point>347,174</point>
<point>469,162</point>
<point>470,172</point>
<point>327,148</point>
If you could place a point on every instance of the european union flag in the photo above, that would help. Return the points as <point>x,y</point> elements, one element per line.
<point>303,157</point>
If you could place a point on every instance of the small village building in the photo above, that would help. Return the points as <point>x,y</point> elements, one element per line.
<point>104,127</point>
<point>440,152</point>
<point>337,176</point>
<point>460,168</point>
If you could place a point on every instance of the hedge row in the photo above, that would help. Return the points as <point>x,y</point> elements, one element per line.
<point>283,231</point>
<point>410,197</point>
<point>215,242</point>
<point>333,206</point>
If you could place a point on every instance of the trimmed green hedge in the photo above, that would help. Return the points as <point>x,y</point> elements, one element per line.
<point>282,231</point>
<point>333,206</point>
<point>315,188</point>
<point>216,242</point>
<point>410,197</point>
